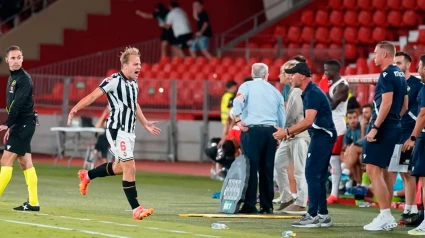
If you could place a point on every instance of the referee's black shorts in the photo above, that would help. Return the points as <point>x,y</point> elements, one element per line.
<point>20,137</point>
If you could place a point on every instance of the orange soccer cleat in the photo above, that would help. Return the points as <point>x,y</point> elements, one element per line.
<point>84,181</point>
<point>141,213</point>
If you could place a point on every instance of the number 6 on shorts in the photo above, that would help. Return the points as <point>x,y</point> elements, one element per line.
<point>122,146</point>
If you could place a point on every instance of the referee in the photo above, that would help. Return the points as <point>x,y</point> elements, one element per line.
<point>258,107</point>
<point>20,126</point>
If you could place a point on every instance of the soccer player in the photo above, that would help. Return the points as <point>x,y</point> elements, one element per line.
<point>414,85</point>
<point>417,140</point>
<point>318,120</point>
<point>122,91</point>
<point>20,125</point>
<point>338,97</point>
<point>390,103</point>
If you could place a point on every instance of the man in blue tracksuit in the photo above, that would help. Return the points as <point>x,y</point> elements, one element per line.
<point>318,120</point>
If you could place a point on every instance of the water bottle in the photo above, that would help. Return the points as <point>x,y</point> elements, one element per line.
<point>288,234</point>
<point>219,226</point>
<point>364,204</point>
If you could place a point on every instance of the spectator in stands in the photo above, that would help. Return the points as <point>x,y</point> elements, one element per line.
<point>204,34</point>
<point>177,20</point>
<point>167,35</point>
<point>226,105</point>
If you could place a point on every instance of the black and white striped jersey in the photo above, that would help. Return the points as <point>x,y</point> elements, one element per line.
<point>122,97</point>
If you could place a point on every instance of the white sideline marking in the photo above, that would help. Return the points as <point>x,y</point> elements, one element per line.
<point>63,228</point>
<point>178,231</point>
<point>119,224</point>
<point>74,218</point>
<point>201,235</point>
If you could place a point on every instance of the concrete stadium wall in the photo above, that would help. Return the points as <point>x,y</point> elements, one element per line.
<point>189,138</point>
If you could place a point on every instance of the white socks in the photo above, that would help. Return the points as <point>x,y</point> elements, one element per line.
<point>386,212</point>
<point>336,174</point>
<point>414,209</point>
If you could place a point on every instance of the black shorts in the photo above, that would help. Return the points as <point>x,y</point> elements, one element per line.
<point>182,41</point>
<point>405,157</point>
<point>379,153</point>
<point>418,158</point>
<point>168,35</point>
<point>20,137</point>
<point>102,145</point>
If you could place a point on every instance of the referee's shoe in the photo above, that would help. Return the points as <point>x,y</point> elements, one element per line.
<point>27,207</point>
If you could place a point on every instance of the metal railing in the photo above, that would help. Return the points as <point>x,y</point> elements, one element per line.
<point>27,11</point>
<point>97,64</point>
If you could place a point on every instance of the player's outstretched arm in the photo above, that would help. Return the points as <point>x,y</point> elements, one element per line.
<point>86,101</point>
<point>149,125</point>
<point>310,115</point>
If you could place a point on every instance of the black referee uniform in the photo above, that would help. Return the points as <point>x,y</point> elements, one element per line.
<point>21,119</point>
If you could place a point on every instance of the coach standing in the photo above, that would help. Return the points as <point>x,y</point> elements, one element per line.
<point>318,120</point>
<point>258,107</point>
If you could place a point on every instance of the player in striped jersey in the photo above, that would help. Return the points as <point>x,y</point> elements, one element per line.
<point>121,90</point>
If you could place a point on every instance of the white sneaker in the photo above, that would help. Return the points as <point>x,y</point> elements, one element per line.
<point>418,231</point>
<point>381,223</point>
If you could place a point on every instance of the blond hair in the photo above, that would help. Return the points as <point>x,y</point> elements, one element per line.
<point>125,55</point>
<point>287,65</point>
<point>387,46</point>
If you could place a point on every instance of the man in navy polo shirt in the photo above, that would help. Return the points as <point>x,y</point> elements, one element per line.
<point>318,121</point>
<point>390,103</point>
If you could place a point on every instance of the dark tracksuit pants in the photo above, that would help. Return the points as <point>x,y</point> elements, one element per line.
<point>317,163</point>
<point>259,146</point>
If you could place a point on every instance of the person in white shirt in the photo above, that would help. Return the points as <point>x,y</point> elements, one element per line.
<point>177,19</point>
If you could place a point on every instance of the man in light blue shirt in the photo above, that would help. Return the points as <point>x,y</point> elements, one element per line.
<point>258,107</point>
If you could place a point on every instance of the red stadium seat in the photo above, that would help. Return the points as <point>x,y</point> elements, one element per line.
<point>292,50</point>
<point>252,61</point>
<point>145,67</point>
<point>266,46</point>
<point>305,49</point>
<point>364,4</point>
<point>379,34</point>
<point>163,75</point>
<point>233,69</point>
<point>176,60</point>
<point>394,18</point>
<point>365,35</point>
<point>335,51</point>
<point>361,62</point>
<point>201,61</point>
<point>321,51</point>
<point>156,68</point>
<point>239,78</point>
<point>253,45</point>
<point>220,69</point>
<point>321,35</point>
<point>57,91</point>
<point>372,68</point>
<point>335,4</point>
<point>379,4</point>
<point>165,60</point>
<point>187,76</point>
<point>350,35</point>
<point>365,18</point>
<point>350,51</point>
<point>189,61</point>
<point>175,75</point>
<point>409,4</point>
<point>362,69</point>
<point>361,92</point>
<point>207,69</point>
<point>371,93</point>
<point>227,61</point>
<point>394,4</point>
<point>181,68</point>
<point>278,62</point>
<point>226,77</point>
<point>380,17</point>
<point>421,4</point>
<point>201,76</point>
<point>307,34</point>
<point>350,18</point>
<point>194,69</point>
<point>351,70</point>
<point>322,18</point>
<point>267,61</point>
<point>307,18</point>
<point>148,75</point>
<point>350,4</point>
<point>169,67</point>
<point>279,31</point>
<point>294,34</point>
<point>274,73</point>
<point>336,35</point>
<point>336,18</point>
<point>410,18</point>
<point>240,62</point>
<point>315,78</point>
<point>214,61</point>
